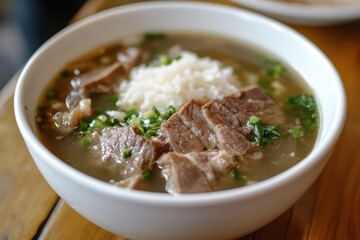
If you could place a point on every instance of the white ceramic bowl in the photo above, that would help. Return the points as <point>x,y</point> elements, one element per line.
<point>145,215</point>
<point>316,15</point>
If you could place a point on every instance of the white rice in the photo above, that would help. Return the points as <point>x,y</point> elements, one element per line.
<point>174,84</point>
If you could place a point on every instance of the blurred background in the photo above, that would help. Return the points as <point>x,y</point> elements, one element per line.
<point>25,25</point>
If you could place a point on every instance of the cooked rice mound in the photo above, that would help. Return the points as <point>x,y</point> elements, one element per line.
<point>174,84</point>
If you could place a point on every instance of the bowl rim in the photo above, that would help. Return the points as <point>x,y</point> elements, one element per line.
<point>306,14</point>
<point>210,198</point>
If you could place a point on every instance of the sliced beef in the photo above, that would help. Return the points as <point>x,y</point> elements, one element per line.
<point>227,137</point>
<point>220,127</point>
<point>109,144</point>
<point>238,108</point>
<point>220,124</point>
<point>194,172</point>
<point>232,141</point>
<point>102,79</point>
<point>183,175</point>
<point>189,131</point>
<point>191,115</point>
<point>180,137</point>
<point>106,79</point>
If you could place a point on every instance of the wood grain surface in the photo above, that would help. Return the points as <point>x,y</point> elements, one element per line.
<point>29,209</point>
<point>25,198</point>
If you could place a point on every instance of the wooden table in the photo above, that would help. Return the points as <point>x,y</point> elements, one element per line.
<point>29,209</point>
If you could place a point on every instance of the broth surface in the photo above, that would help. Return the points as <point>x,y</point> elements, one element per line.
<point>250,65</point>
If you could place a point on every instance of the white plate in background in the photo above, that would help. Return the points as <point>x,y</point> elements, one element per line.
<point>305,14</point>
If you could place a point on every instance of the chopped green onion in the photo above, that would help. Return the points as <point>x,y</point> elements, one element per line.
<point>96,123</point>
<point>150,133</point>
<point>147,174</point>
<point>146,124</point>
<point>304,107</point>
<point>274,68</point>
<point>130,113</point>
<point>296,132</point>
<point>156,111</point>
<point>165,60</point>
<point>126,152</point>
<point>262,134</point>
<point>84,126</point>
<point>149,114</point>
<point>86,142</point>
<point>235,174</point>
<point>150,122</point>
<point>254,120</point>
<point>140,130</point>
<point>134,122</point>
<point>168,112</point>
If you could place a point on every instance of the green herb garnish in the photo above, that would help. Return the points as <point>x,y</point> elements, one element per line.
<point>304,107</point>
<point>134,122</point>
<point>84,126</point>
<point>168,112</point>
<point>235,174</point>
<point>274,68</point>
<point>147,174</point>
<point>165,60</point>
<point>86,142</point>
<point>146,124</point>
<point>96,123</point>
<point>262,134</point>
<point>156,111</point>
<point>296,132</point>
<point>130,113</point>
<point>126,152</point>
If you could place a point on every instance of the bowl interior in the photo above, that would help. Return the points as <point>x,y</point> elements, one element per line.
<point>259,31</point>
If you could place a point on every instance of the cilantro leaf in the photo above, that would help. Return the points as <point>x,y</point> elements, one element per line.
<point>304,107</point>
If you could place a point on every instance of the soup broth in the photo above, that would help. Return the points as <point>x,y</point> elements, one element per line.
<point>289,142</point>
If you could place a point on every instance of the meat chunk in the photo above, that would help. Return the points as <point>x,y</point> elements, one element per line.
<point>238,108</point>
<point>103,79</point>
<point>70,119</point>
<point>194,172</point>
<point>106,79</point>
<point>110,143</point>
<point>184,176</point>
<point>232,141</point>
<point>220,124</point>
<point>220,127</point>
<point>227,137</point>
<point>190,131</point>
<point>191,115</point>
<point>180,137</point>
